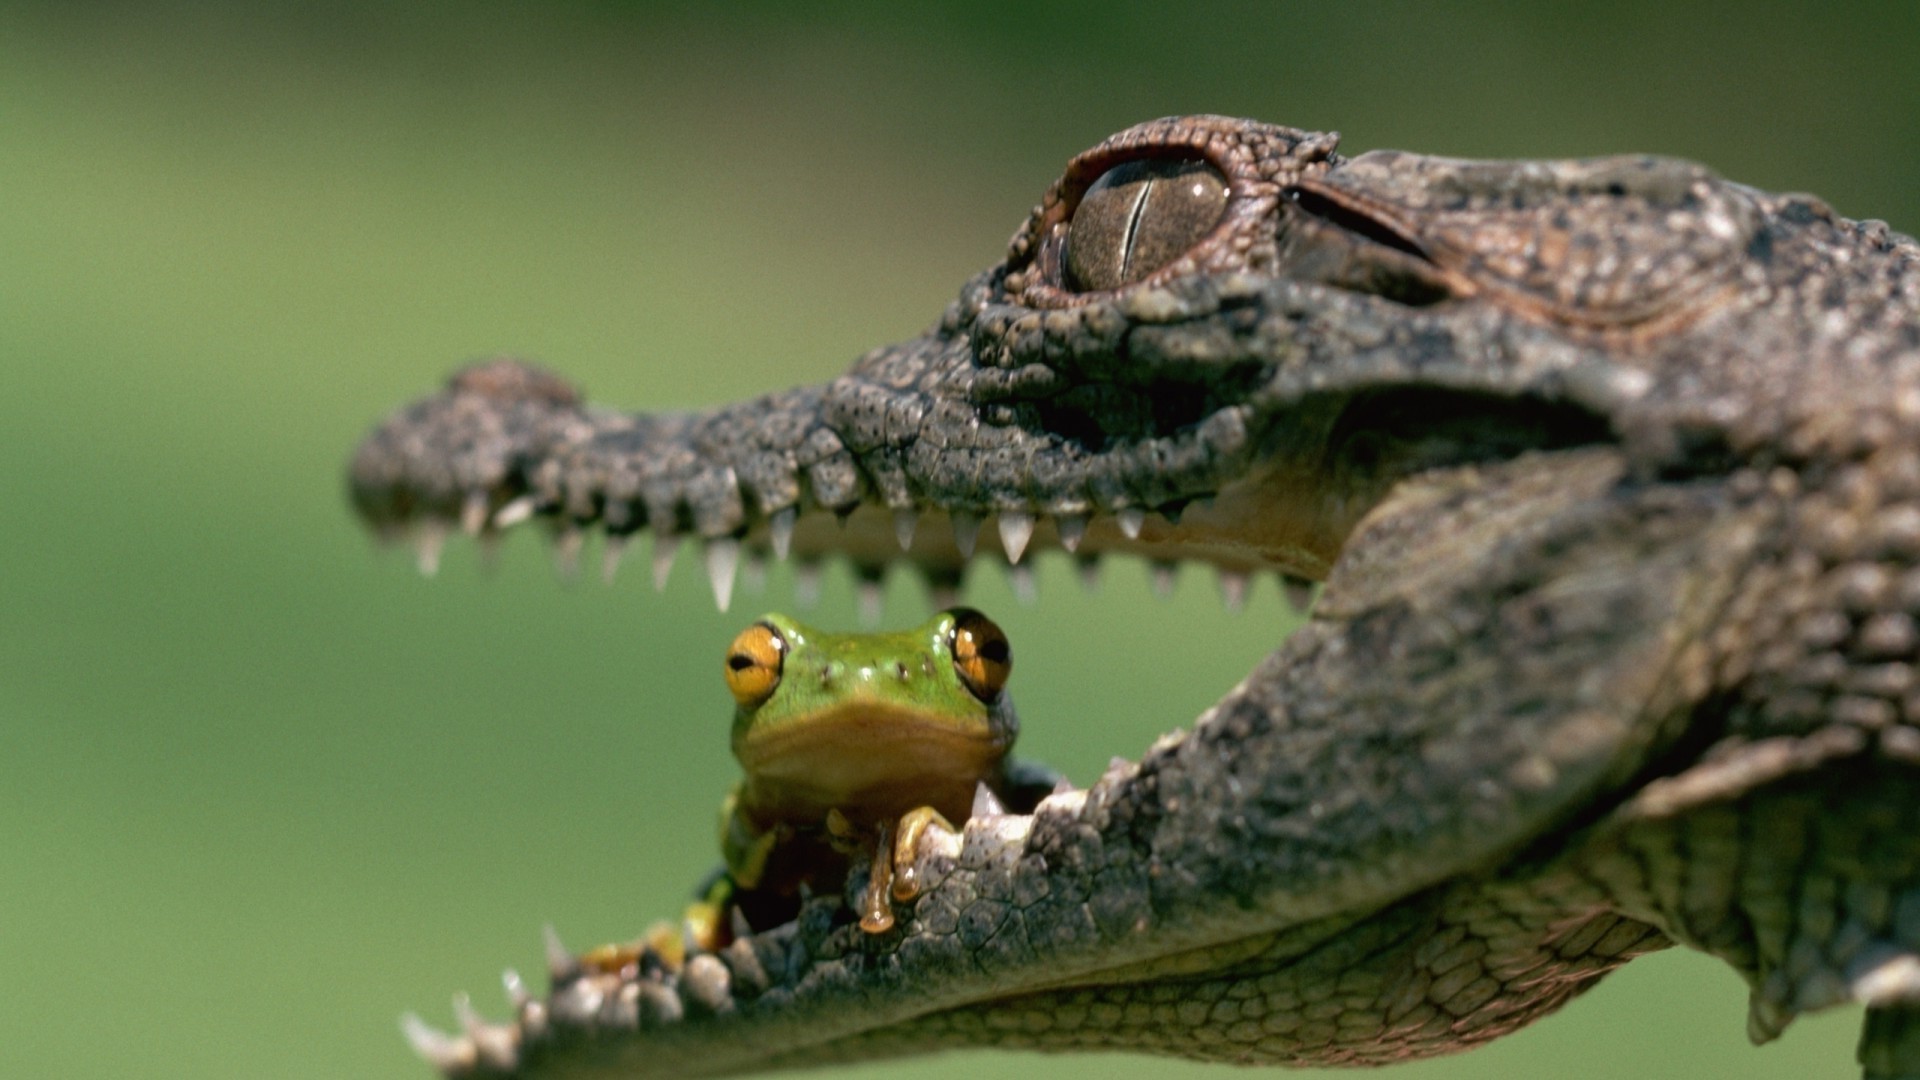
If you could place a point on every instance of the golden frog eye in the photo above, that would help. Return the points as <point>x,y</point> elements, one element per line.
<point>1140,216</point>
<point>754,661</point>
<point>981,654</point>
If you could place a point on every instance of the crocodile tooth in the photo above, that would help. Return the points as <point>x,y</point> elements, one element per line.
<point>780,530</point>
<point>448,1053</point>
<point>707,982</point>
<point>566,552</point>
<point>737,921</point>
<point>1233,588</point>
<point>753,572</point>
<point>516,988</point>
<point>1063,786</point>
<point>665,546</point>
<point>904,520</point>
<point>806,582</point>
<point>514,512</point>
<point>620,1011</point>
<point>1162,573</point>
<point>985,802</point>
<point>427,543</point>
<point>1089,566</point>
<point>872,599</point>
<point>966,530</point>
<point>1073,528</point>
<point>489,545</point>
<point>492,1043</point>
<point>723,560</point>
<point>610,553</point>
<point>658,1005</point>
<point>943,586</point>
<point>1026,588</point>
<point>561,964</point>
<point>1298,591</point>
<point>690,939</point>
<point>1016,528</point>
<point>473,513</point>
<point>1130,521</point>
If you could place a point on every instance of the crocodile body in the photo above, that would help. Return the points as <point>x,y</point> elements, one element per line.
<point>1610,472</point>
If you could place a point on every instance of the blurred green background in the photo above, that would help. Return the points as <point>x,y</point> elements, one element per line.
<point>261,790</point>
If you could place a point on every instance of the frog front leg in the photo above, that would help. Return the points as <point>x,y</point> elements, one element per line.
<point>894,873</point>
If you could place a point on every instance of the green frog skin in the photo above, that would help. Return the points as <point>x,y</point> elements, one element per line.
<point>858,742</point>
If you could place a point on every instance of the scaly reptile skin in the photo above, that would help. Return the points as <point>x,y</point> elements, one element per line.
<point>1611,471</point>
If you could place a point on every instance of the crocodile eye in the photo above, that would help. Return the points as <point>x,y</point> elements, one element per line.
<point>981,654</point>
<point>1140,216</point>
<point>754,661</point>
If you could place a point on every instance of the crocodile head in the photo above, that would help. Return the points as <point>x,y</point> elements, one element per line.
<point>1213,340</point>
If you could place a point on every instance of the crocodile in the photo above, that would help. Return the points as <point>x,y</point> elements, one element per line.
<point>1605,473</point>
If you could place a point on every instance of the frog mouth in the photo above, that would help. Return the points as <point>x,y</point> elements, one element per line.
<point>899,749</point>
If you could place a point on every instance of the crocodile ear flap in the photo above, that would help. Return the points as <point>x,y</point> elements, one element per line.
<point>1605,241</point>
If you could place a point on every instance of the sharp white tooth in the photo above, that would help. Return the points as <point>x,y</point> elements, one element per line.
<point>1089,572</point>
<point>1162,573</point>
<point>566,553</point>
<point>489,552</point>
<point>665,547</point>
<point>942,586</point>
<point>473,513</point>
<point>737,922</point>
<point>516,989</point>
<point>780,530</point>
<point>427,543</point>
<point>872,596</point>
<point>610,554</point>
<point>723,559</point>
<point>985,802</point>
<point>1298,591</point>
<point>494,1044</point>
<point>1130,521</point>
<point>1233,588</point>
<point>806,583</point>
<point>904,519</point>
<point>561,965</point>
<point>1063,786</point>
<point>1073,528</point>
<point>442,1051</point>
<point>1021,580</point>
<point>966,530</point>
<point>690,937</point>
<point>753,573</point>
<point>513,513</point>
<point>1016,528</point>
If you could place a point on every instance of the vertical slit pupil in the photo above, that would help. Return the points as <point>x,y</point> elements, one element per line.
<point>1138,217</point>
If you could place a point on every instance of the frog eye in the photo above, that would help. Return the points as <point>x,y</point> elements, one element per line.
<point>754,661</point>
<point>1140,216</point>
<point>981,654</point>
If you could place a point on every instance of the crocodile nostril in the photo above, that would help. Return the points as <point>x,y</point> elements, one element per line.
<point>1140,216</point>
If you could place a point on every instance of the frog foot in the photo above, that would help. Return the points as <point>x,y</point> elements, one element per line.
<point>915,826</point>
